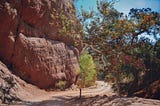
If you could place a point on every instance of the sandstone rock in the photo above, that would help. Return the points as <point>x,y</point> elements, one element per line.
<point>34,48</point>
<point>44,62</point>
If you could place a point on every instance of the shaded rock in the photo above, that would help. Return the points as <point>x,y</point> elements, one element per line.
<point>8,27</point>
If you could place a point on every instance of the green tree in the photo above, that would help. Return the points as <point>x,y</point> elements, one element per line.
<point>87,70</point>
<point>88,73</point>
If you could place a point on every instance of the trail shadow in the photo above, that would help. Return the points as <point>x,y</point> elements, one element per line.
<point>75,101</point>
<point>56,101</point>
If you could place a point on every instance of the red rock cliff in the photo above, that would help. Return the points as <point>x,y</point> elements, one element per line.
<point>32,46</point>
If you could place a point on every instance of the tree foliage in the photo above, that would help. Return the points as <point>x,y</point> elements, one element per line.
<point>67,25</point>
<point>88,72</point>
<point>115,38</point>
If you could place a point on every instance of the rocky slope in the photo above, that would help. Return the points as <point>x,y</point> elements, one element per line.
<point>31,43</point>
<point>7,83</point>
<point>14,90</point>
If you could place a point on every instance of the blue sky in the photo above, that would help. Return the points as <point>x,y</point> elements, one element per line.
<point>123,5</point>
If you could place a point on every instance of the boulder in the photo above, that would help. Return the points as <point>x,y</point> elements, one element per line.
<point>44,62</point>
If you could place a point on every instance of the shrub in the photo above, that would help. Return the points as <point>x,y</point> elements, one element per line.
<point>61,85</point>
<point>88,72</point>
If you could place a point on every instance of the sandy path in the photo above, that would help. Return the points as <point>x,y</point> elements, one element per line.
<point>41,95</point>
<point>93,96</point>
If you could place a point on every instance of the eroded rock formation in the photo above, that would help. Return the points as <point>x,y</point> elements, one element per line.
<point>32,46</point>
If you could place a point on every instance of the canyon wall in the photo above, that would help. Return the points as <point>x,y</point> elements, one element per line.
<point>31,42</point>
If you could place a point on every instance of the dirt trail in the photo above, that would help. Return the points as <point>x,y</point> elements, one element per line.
<point>38,95</point>
<point>99,95</point>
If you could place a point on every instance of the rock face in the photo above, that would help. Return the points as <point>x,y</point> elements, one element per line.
<point>32,46</point>
<point>44,62</point>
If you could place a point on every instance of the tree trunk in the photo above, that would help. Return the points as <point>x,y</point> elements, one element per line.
<point>116,75</point>
<point>80,93</point>
<point>118,87</point>
<point>134,85</point>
